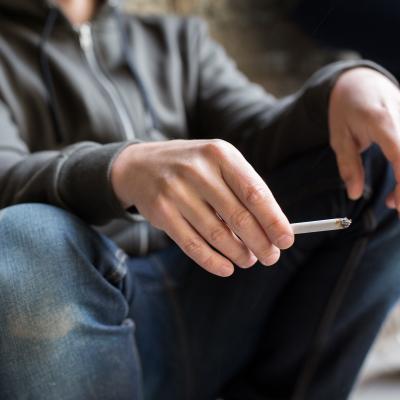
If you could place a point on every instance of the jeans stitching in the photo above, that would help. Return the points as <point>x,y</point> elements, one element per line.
<point>331,310</point>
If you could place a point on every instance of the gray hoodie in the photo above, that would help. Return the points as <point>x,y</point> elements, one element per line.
<point>72,98</point>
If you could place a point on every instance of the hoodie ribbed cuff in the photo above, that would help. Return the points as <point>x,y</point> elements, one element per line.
<point>84,181</point>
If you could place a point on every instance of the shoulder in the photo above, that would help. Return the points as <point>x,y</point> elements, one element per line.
<point>169,26</point>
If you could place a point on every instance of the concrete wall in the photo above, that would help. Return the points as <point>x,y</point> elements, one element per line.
<point>257,34</point>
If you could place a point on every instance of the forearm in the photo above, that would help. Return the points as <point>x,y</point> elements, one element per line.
<point>76,178</point>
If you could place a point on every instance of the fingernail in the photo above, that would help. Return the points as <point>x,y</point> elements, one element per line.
<point>270,260</point>
<point>253,260</point>
<point>249,262</point>
<point>285,241</point>
<point>226,270</point>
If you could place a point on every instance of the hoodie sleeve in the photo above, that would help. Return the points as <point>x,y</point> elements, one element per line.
<point>268,131</point>
<point>76,178</point>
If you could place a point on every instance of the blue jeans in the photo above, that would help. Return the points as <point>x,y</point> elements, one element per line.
<point>80,320</point>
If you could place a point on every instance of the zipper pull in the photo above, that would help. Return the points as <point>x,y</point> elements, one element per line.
<point>85,36</point>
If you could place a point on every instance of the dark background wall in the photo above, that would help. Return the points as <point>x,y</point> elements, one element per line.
<point>257,34</point>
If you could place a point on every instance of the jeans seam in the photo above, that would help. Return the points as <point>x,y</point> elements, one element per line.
<point>328,317</point>
<point>117,272</point>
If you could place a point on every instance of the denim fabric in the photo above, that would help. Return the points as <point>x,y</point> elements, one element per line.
<point>81,320</point>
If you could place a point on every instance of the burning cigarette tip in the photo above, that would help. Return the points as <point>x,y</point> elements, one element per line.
<point>345,222</point>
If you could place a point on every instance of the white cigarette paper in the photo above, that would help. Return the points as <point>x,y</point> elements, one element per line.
<point>321,226</point>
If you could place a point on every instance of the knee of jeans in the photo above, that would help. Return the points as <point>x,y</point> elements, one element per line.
<point>40,227</point>
<point>33,238</point>
<point>28,214</point>
<point>46,271</point>
<point>48,237</point>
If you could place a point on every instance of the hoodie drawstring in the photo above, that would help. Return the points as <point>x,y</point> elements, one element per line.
<point>128,57</point>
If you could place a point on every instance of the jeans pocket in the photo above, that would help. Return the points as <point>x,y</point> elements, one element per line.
<point>112,262</point>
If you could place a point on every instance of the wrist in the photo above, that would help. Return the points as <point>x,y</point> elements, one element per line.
<point>120,170</point>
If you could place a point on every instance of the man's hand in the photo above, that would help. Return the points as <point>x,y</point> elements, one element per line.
<point>365,109</point>
<point>207,198</point>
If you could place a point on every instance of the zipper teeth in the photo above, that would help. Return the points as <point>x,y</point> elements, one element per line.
<point>86,43</point>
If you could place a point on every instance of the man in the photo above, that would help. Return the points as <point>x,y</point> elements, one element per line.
<point>90,100</point>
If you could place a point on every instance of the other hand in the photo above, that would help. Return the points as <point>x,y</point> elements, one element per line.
<point>365,109</point>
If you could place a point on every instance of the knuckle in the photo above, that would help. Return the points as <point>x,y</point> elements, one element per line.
<point>216,148</point>
<point>378,115</point>
<point>241,219</point>
<point>269,253</point>
<point>255,194</point>
<point>194,173</point>
<point>186,169</point>
<point>242,259</point>
<point>192,247</point>
<point>218,234</point>
<point>275,225</point>
<point>171,188</point>
<point>209,263</point>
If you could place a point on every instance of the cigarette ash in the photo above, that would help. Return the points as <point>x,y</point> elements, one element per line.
<point>344,223</point>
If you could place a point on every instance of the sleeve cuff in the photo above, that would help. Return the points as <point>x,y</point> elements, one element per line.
<point>318,89</point>
<point>84,181</point>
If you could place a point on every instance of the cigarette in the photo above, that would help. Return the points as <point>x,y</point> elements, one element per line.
<point>321,226</point>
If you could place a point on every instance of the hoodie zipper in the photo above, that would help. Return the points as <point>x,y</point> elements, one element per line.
<point>86,43</point>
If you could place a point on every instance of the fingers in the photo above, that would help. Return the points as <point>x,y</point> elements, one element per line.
<point>383,123</point>
<point>365,109</point>
<point>386,133</point>
<point>257,199</point>
<point>195,247</point>
<point>201,216</point>
<point>390,201</point>
<point>393,199</point>
<point>390,144</point>
<point>237,222</point>
<point>397,197</point>
<point>241,221</point>
<point>388,137</point>
<point>350,166</point>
